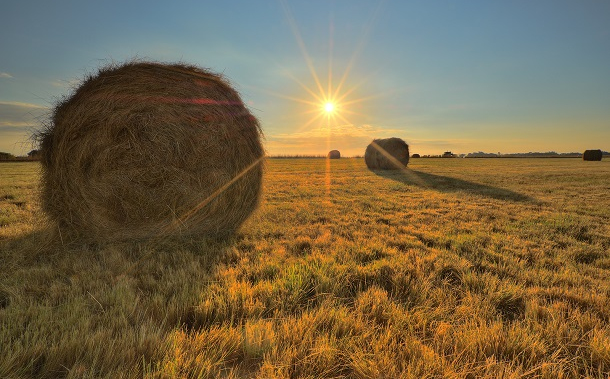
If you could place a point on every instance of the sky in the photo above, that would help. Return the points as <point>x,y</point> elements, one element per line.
<point>461,76</point>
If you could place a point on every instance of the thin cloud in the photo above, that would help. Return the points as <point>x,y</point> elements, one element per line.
<point>22,128</point>
<point>18,121</point>
<point>65,83</point>
<point>15,115</point>
<point>5,75</point>
<point>21,105</point>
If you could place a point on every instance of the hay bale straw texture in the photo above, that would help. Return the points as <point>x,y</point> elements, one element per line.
<point>146,149</point>
<point>592,155</point>
<point>334,154</point>
<point>387,154</point>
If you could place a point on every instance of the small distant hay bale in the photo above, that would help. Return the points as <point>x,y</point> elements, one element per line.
<point>592,155</point>
<point>415,156</point>
<point>148,149</point>
<point>387,154</point>
<point>334,154</point>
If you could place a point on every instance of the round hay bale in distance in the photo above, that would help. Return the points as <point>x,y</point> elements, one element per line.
<point>387,154</point>
<point>334,154</point>
<point>592,155</point>
<point>149,149</point>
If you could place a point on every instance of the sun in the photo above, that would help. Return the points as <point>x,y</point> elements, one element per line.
<point>330,104</point>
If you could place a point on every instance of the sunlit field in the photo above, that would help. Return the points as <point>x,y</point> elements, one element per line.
<point>457,268</point>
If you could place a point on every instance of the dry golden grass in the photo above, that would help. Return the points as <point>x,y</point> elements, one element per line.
<point>456,268</point>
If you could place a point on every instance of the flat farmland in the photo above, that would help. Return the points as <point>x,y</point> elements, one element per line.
<point>494,268</point>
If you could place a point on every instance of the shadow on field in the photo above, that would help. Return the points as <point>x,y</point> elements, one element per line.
<point>175,270</point>
<point>130,299</point>
<point>449,184</point>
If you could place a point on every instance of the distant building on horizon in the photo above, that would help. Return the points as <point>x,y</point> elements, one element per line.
<point>448,154</point>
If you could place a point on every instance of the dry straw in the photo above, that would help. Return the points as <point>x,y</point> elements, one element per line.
<point>387,154</point>
<point>592,155</point>
<point>147,149</point>
<point>334,154</point>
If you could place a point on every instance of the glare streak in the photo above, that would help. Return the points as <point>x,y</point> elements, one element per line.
<point>207,200</point>
<point>330,60</point>
<point>329,102</point>
<point>343,118</point>
<point>365,35</point>
<point>365,98</point>
<point>314,119</point>
<point>299,39</point>
<point>312,93</point>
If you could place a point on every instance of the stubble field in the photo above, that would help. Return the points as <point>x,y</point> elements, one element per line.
<point>453,268</point>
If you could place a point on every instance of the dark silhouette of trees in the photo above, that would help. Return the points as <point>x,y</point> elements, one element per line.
<point>6,156</point>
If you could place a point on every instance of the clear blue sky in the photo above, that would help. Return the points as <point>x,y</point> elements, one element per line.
<point>508,76</point>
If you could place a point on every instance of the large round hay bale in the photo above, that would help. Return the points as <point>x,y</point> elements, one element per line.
<point>592,155</point>
<point>334,154</point>
<point>387,154</point>
<point>149,149</point>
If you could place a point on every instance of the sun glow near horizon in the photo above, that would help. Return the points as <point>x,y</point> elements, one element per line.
<point>329,107</point>
<point>330,102</point>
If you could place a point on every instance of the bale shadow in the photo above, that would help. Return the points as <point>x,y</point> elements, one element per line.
<point>148,264</point>
<point>449,184</point>
<point>135,295</point>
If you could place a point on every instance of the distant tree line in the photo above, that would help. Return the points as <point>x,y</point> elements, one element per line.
<point>480,154</point>
<point>548,154</point>
<point>6,156</point>
<point>33,155</point>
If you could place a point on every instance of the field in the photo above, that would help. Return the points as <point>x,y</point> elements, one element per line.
<point>457,268</point>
